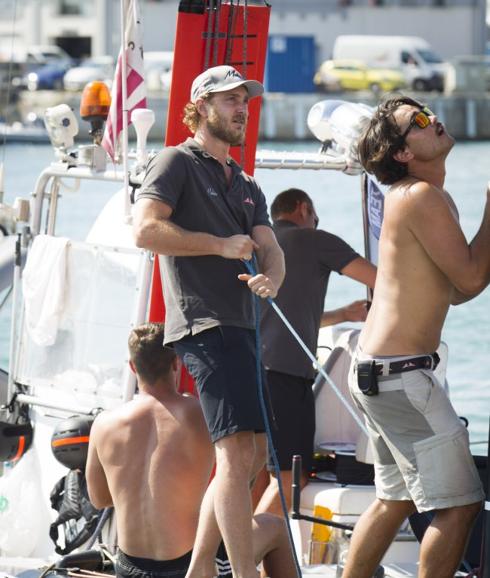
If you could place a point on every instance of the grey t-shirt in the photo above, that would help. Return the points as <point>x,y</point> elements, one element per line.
<point>310,257</point>
<point>203,292</point>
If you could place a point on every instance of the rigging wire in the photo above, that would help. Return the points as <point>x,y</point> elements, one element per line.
<point>244,64</point>
<point>209,33</point>
<point>313,359</point>
<point>252,269</point>
<point>230,32</point>
<point>216,33</point>
<point>245,39</point>
<point>6,296</point>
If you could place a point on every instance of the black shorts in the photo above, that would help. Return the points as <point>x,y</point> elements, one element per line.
<point>133,567</point>
<point>222,362</point>
<point>293,406</point>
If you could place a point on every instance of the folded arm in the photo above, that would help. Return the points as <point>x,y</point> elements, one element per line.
<point>271,264</point>
<point>153,230</point>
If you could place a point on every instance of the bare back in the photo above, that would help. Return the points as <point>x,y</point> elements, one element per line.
<point>412,293</point>
<point>153,454</point>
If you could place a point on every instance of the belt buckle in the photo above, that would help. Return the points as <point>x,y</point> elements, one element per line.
<point>435,360</point>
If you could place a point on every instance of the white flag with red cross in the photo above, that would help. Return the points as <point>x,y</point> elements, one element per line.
<point>135,82</point>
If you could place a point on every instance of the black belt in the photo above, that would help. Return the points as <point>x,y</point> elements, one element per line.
<point>408,364</point>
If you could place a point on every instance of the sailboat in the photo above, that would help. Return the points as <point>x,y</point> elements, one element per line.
<point>74,304</point>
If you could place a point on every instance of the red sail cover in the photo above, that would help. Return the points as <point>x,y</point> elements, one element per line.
<point>237,36</point>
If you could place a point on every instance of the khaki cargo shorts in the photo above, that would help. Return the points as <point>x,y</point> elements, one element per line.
<point>421,448</point>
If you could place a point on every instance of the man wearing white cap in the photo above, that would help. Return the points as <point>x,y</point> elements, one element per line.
<point>203,215</point>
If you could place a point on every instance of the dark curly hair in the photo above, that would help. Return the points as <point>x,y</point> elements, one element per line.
<point>381,140</point>
<point>191,117</point>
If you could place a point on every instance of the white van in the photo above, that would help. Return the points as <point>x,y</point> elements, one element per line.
<point>422,67</point>
<point>158,70</point>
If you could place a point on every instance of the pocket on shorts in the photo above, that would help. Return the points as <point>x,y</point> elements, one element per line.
<point>445,465</point>
<point>418,387</point>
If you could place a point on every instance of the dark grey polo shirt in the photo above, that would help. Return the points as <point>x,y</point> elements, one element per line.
<point>311,255</point>
<point>203,292</point>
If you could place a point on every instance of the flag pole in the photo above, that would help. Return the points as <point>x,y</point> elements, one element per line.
<point>124,94</point>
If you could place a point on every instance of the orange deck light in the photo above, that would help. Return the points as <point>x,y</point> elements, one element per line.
<point>94,107</point>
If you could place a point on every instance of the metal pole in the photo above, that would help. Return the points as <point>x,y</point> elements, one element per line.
<point>296,487</point>
<point>14,321</point>
<point>365,225</point>
<point>296,501</point>
<point>37,401</point>
<point>124,93</point>
<point>139,315</point>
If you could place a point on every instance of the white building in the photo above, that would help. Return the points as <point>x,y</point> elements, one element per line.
<point>91,27</point>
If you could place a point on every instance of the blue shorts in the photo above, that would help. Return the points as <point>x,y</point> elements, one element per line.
<point>222,362</point>
<point>293,430</point>
<point>133,567</point>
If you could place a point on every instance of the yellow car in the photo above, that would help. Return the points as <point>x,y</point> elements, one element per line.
<point>356,75</point>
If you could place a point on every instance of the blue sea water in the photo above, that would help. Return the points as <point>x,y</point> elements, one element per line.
<point>337,198</point>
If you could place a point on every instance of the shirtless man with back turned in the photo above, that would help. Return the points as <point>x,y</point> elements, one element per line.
<point>151,458</point>
<point>421,449</point>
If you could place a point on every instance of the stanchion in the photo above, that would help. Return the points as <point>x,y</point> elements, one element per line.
<point>296,503</point>
<point>296,488</point>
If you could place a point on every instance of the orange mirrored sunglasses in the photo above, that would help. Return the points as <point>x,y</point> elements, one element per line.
<point>421,119</point>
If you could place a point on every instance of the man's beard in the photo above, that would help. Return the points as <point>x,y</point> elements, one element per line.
<point>218,129</point>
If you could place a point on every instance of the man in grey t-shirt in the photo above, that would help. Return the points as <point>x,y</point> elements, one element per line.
<point>311,254</point>
<point>202,214</point>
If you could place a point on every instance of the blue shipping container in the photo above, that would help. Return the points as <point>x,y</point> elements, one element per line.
<point>291,64</point>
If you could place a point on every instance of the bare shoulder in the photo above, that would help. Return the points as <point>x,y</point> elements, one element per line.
<point>414,192</point>
<point>420,200</point>
<point>109,420</point>
<point>99,428</point>
<point>102,423</point>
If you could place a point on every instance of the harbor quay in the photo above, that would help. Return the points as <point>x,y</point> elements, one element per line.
<point>283,116</point>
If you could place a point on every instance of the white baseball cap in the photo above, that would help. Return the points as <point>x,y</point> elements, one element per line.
<point>220,79</point>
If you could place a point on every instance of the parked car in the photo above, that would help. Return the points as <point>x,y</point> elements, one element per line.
<point>30,59</point>
<point>47,54</point>
<point>355,75</point>
<point>33,54</point>
<point>422,68</point>
<point>96,68</point>
<point>47,77</point>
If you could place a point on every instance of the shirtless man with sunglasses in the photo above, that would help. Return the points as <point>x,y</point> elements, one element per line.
<point>421,449</point>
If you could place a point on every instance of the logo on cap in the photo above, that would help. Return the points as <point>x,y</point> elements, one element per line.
<point>220,79</point>
<point>234,74</point>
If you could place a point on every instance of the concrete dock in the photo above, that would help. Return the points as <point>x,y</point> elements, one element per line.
<point>283,116</point>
